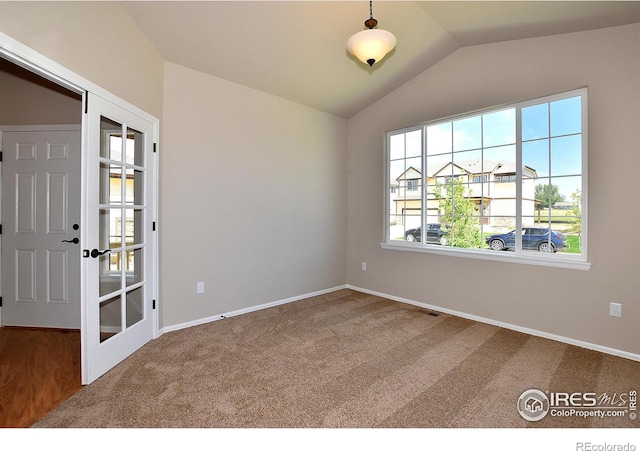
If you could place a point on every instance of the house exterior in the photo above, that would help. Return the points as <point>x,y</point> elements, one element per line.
<point>490,185</point>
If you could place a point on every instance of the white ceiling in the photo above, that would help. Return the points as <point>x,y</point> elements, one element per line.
<point>296,49</point>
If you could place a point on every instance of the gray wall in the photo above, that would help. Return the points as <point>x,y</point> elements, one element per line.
<point>569,303</point>
<point>253,197</point>
<point>31,100</point>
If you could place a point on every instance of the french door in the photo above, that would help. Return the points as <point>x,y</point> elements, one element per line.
<point>118,250</point>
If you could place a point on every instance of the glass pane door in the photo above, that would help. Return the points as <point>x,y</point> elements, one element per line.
<point>119,270</point>
<point>121,230</point>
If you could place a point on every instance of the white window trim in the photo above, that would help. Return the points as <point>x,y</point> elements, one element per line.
<point>565,261</point>
<point>553,261</point>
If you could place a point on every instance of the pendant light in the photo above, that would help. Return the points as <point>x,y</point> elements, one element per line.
<point>372,44</point>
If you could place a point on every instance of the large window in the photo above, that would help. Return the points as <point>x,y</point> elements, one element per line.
<point>507,183</point>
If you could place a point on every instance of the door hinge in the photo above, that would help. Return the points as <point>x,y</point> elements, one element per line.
<point>153,226</point>
<point>155,148</point>
<point>86,102</point>
<point>0,301</point>
<point>0,155</point>
<point>154,304</point>
<point>0,229</point>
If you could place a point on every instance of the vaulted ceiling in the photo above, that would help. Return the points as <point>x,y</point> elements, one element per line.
<point>296,49</point>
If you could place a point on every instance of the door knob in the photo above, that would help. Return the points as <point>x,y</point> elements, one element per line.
<point>95,253</point>
<point>76,240</point>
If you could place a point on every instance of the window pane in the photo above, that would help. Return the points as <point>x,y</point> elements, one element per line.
<point>110,228</point>
<point>134,187</point>
<point>406,216</point>
<point>110,139</point>
<point>439,167</point>
<point>396,169</point>
<point>566,116</point>
<point>544,195</point>
<point>535,122</point>
<point>412,216</point>
<point>134,306</point>
<point>467,134</point>
<point>415,164</point>
<point>535,155</point>
<point>110,279</point>
<point>134,266</point>
<point>134,148</point>
<point>439,139</point>
<point>468,162</point>
<point>130,187</point>
<point>396,147</point>
<point>110,318</point>
<point>110,184</point>
<point>499,128</point>
<point>502,203</point>
<point>414,144</point>
<point>133,227</point>
<point>500,159</point>
<point>566,155</point>
<point>567,186</point>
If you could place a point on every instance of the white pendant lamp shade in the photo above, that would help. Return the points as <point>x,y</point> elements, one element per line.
<point>371,45</point>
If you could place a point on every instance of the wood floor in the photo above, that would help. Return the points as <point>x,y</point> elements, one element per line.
<point>39,368</point>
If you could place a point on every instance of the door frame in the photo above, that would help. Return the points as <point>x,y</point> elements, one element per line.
<point>18,53</point>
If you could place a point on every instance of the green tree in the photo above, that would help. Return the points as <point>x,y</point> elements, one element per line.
<point>460,215</point>
<point>576,212</point>
<point>548,195</point>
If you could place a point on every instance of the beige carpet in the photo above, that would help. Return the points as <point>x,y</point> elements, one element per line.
<point>345,359</point>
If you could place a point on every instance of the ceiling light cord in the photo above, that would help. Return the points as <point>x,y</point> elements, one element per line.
<point>370,23</point>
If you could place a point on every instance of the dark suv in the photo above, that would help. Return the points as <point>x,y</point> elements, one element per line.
<point>436,234</point>
<point>533,238</point>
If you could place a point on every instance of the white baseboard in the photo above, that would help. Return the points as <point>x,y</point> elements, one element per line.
<point>248,310</point>
<point>536,333</point>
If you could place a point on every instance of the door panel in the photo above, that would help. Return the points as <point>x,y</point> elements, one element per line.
<point>41,188</point>
<point>119,212</point>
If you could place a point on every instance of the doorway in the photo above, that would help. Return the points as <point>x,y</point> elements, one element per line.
<point>42,119</point>
<point>136,297</point>
<point>41,122</point>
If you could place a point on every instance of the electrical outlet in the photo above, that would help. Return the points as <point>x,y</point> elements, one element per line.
<point>364,266</point>
<point>200,287</point>
<point>615,309</point>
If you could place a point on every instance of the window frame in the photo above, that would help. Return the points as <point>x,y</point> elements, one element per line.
<point>557,260</point>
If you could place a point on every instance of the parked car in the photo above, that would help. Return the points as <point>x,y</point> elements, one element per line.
<point>436,234</point>
<point>533,238</point>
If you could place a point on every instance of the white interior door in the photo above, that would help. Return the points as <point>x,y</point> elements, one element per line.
<point>40,241</point>
<point>119,251</point>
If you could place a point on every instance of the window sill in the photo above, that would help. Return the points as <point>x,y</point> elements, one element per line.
<point>552,261</point>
